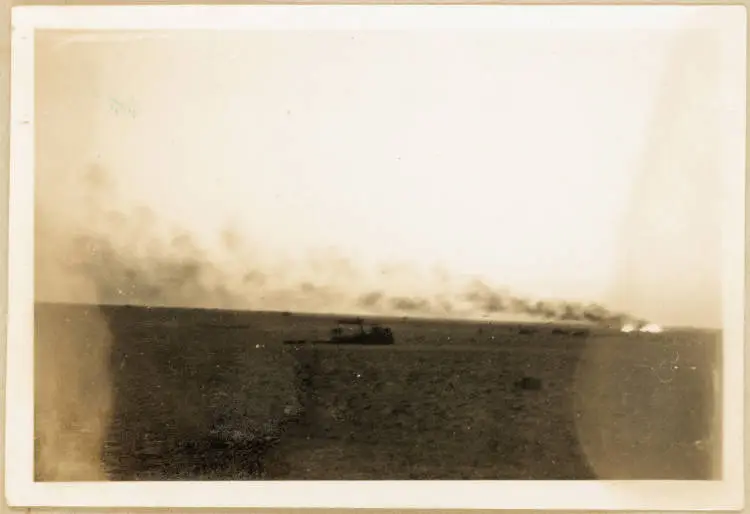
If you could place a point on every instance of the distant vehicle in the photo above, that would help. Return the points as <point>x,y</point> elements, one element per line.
<point>570,332</point>
<point>353,332</point>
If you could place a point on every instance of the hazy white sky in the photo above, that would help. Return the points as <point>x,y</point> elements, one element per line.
<point>573,164</point>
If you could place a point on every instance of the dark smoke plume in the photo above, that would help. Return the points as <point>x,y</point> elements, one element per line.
<point>485,301</point>
<point>132,259</point>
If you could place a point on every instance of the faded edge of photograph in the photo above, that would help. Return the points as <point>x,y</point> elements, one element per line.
<point>348,249</point>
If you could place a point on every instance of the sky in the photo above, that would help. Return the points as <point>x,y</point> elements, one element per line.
<point>582,165</point>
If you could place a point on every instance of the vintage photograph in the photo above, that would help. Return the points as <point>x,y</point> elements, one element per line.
<point>361,251</point>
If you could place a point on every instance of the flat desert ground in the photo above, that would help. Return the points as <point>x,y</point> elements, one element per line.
<point>183,394</point>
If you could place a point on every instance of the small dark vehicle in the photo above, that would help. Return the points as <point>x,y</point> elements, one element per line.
<point>346,334</point>
<point>375,335</point>
<point>571,332</point>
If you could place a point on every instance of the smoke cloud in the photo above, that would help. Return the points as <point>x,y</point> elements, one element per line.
<point>131,257</point>
<point>479,299</point>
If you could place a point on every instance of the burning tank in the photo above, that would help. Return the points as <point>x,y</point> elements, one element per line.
<point>641,326</point>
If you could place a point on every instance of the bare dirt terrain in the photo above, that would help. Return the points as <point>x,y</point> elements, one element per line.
<point>216,395</point>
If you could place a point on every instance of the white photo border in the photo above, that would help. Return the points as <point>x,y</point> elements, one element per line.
<point>21,490</point>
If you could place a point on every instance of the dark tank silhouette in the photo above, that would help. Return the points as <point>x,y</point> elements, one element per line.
<point>354,332</point>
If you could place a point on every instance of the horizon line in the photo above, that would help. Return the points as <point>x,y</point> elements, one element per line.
<point>374,316</point>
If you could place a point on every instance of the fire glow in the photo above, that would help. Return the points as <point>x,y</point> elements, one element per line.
<point>649,328</point>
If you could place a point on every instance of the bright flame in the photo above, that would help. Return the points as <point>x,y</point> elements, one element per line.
<point>651,327</point>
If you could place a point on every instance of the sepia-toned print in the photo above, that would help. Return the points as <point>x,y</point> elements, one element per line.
<point>342,254</point>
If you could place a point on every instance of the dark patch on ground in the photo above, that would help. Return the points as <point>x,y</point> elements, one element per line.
<point>528,384</point>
